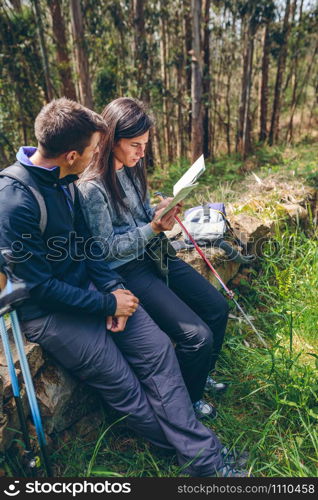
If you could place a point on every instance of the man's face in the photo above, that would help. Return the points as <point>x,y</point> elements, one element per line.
<point>83,160</point>
<point>129,151</point>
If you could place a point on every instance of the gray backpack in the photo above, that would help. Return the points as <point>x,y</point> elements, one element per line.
<point>21,174</point>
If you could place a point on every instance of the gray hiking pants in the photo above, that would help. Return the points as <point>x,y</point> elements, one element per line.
<point>137,373</point>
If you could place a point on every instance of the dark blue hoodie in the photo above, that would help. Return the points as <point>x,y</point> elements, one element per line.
<point>59,265</point>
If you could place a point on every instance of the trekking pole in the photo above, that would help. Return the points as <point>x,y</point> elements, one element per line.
<point>30,459</point>
<point>229,292</point>
<point>18,339</point>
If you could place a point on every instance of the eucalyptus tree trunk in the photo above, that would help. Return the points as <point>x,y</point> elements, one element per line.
<point>64,63</point>
<point>82,65</point>
<point>294,101</point>
<point>141,63</point>
<point>297,96</point>
<point>49,94</point>
<point>206,79</point>
<point>244,132</point>
<point>164,78</point>
<point>196,83</point>
<point>140,48</point>
<point>187,48</point>
<point>17,4</point>
<point>281,64</point>
<point>264,84</point>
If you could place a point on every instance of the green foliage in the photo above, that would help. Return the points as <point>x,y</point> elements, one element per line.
<point>20,70</point>
<point>105,87</point>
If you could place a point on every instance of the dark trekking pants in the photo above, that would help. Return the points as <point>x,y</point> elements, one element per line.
<point>136,371</point>
<point>191,311</point>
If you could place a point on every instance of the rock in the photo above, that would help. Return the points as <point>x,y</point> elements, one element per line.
<point>63,399</point>
<point>225,268</point>
<point>35,359</point>
<point>88,427</point>
<point>295,212</point>
<point>250,230</point>
<point>3,427</point>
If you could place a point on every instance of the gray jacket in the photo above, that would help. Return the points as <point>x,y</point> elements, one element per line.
<point>122,237</point>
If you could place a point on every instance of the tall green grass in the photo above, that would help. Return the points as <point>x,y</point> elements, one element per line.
<point>273,401</point>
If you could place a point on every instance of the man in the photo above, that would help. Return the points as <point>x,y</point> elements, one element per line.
<point>79,310</point>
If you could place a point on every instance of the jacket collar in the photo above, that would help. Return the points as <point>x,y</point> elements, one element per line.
<point>42,174</point>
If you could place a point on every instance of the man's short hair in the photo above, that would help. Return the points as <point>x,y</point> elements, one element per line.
<point>64,125</point>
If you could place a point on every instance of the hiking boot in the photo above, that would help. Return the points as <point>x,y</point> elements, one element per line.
<point>228,471</point>
<point>202,409</point>
<point>233,458</point>
<point>215,386</point>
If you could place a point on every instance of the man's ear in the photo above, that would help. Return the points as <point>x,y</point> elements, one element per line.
<point>71,156</point>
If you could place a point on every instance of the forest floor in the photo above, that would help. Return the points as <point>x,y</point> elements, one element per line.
<point>271,406</point>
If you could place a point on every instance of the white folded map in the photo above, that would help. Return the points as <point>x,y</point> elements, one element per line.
<point>185,185</point>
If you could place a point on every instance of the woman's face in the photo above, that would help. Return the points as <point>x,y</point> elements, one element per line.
<point>129,151</point>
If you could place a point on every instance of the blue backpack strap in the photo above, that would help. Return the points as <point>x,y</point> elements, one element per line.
<point>19,173</point>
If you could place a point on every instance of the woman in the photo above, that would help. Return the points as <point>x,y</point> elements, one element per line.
<point>117,209</point>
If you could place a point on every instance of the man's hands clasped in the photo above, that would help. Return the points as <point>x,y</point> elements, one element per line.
<point>127,304</point>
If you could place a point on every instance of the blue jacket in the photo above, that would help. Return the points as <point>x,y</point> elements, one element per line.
<point>59,266</point>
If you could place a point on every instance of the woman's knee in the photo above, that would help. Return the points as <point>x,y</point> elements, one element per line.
<point>202,338</point>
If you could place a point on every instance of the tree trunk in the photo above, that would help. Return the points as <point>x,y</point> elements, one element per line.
<point>228,112</point>
<point>141,64</point>
<point>64,64</point>
<point>187,47</point>
<point>82,65</point>
<point>296,97</point>
<point>274,130</point>
<point>264,84</point>
<point>244,132</point>
<point>164,79</point>
<point>48,84</point>
<point>206,78</point>
<point>196,83</point>
<point>17,5</point>
<point>140,48</point>
<point>289,134</point>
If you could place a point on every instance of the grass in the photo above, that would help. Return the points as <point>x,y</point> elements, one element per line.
<point>271,406</point>
<point>225,179</point>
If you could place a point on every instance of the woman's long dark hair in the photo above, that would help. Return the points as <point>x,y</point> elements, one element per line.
<point>126,118</point>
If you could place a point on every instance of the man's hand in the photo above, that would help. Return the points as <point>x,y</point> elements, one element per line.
<point>3,281</point>
<point>116,324</point>
<point>167,222</point>
<point>127,303</point>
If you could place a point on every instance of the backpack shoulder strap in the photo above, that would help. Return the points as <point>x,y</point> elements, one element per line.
<point>23,176</point>
<point>71,187</point>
